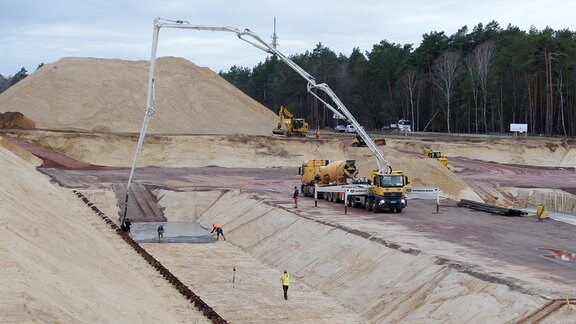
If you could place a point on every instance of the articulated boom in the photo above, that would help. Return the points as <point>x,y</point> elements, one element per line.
<point>341,111</point>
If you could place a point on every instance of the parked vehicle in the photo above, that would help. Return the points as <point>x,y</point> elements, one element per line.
<point>350,129</point>
<point>404,126</point>
<point>340,128</point>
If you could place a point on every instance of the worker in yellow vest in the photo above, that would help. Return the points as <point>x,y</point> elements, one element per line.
<point>285,281</point>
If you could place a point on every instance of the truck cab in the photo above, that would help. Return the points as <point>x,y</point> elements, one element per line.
<point>388,192</point>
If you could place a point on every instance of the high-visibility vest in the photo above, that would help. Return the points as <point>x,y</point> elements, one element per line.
<point>285,279</point>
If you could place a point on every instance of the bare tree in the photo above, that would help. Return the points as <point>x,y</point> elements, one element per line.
<point>561,95</point>
<point>446,69</point>
<point>483,56</point>
<point>549,92</point>
<point>472,71</point>
<point>412,83</point>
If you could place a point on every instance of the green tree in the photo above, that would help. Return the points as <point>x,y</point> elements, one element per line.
<point>18,76</point>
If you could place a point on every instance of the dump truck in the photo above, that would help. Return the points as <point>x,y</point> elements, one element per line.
<point>290,126</point>
<point>436,155</point>
<point>337,181</point>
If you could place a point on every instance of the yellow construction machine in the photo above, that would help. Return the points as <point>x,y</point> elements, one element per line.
<point>290,126</point>
<point>436,155</point>
<point>337,181</point>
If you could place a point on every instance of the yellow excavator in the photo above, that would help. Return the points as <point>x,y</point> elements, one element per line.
<point>290,126</point>
<point>436,155</point>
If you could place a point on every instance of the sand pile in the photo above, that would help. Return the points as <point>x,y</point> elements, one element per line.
<point>104,95</point>
<point>61,263</point>
<point>15,120</point>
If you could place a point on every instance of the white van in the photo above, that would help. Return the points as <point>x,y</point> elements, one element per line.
<point>350,129</point>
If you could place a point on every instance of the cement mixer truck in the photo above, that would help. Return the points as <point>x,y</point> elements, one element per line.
<point>338,182</point>
<point>324,173</point>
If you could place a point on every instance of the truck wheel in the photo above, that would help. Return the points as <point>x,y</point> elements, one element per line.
<point>368,204</point>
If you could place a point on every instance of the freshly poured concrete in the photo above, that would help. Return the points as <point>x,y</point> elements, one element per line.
<point>174,232</point>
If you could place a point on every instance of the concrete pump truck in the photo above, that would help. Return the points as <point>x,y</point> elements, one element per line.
<point>385,190</point>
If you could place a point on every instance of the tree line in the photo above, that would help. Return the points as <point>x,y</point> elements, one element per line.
<point>8,81</point>
<point>474,81</point>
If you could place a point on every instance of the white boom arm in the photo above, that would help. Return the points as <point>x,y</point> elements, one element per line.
<point>341,111</point>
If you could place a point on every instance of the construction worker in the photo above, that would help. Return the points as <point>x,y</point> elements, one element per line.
<point>295,195</point>
<point>160,232</point>
<point>127,225</point>
<point>541,212</point>
<point>285,281</point>
<point>218,229</point>
<point>317,133</point>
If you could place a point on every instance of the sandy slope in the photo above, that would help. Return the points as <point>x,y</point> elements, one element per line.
<point>61,263</point>
<point>359,274</point>
<point>545,151</point>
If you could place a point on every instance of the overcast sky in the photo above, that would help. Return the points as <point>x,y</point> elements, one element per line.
<point>41,31</point>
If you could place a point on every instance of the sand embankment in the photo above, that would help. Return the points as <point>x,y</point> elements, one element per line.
<point>62,263</point>
<point>242,151</point>
<point>377,282</point>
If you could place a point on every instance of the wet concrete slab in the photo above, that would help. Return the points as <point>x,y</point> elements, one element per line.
<point>174,232</point>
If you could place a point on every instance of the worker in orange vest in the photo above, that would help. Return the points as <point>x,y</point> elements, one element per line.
<point>218,229</point>
<point>317,133</point>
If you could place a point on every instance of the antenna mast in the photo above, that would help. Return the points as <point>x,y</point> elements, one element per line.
<point>274,37</point>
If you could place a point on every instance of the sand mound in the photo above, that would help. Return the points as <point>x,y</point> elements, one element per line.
<point>61,263</point>
<point>103,95</point>
<point>15,120</point>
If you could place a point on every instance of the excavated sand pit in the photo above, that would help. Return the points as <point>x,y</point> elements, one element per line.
<point>203,160</point>
<point>377,282</point>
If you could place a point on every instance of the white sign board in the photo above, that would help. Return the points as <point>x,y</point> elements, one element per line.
<point>423,193</point>
<point>520,128</point>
